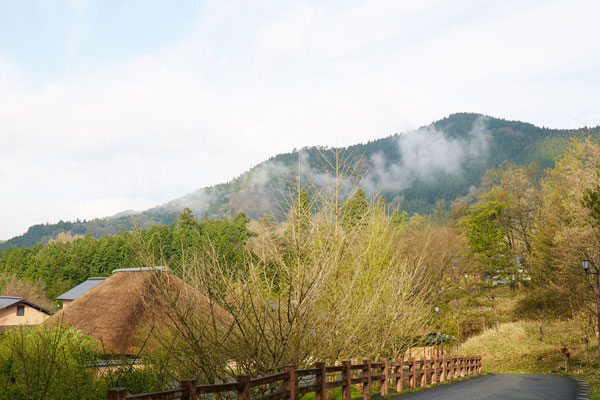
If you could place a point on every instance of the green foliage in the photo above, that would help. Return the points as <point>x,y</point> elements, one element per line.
<point>355,209</point>
<point>508,140</point>
<point>60,266</point>
<point>302,212</point>
<point>46,363</point>
<point>399,217</point>
<point>59,363</point>
<point>488,239</point>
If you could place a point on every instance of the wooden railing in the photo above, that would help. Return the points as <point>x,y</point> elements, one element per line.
<point>293,383</point>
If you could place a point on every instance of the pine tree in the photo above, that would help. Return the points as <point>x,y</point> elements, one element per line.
<point>355,209</point>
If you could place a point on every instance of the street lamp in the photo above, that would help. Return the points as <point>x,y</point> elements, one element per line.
<point>585,264</point>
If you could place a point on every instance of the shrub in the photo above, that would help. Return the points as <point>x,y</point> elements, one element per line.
<point>46,363</point>
<point>543,303</point>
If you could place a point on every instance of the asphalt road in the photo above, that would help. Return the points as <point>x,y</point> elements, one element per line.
<point>498,386</point>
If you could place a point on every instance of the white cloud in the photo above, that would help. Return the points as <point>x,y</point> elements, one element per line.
<point>253,80</point>
<point>424,154</point>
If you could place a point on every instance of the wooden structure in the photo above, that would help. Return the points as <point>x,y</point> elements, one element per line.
<point>292,383</point>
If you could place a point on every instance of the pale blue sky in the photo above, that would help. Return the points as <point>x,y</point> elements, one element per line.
<point>49,40</point>
<point>113,105</point>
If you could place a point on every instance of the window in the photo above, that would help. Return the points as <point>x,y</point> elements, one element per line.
<point>20,311</point>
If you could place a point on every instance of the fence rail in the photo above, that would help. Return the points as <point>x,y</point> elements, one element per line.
<point>292,383</point>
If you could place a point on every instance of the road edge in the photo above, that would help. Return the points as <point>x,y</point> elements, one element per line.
<point>583,389</point>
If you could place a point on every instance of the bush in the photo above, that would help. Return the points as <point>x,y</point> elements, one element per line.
<point>543,303</point>
<point>58,363</point>
<point>46,363</point>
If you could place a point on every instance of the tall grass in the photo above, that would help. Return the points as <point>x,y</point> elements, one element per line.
<point>522,347</point>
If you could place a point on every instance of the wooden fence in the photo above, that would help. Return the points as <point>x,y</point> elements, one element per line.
<point>293,383</point>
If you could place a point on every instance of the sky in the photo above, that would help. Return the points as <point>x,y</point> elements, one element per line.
<point>109,105</point>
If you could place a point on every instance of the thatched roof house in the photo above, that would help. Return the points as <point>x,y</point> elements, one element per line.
<point>123,309</point>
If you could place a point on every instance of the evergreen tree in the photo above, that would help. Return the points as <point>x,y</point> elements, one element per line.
<point>302,212</point>
<point>186,237</point>
<point>488,241</point>
<point>355,209</point>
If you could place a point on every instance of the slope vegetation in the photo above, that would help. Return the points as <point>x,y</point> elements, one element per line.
<point>445,160</point>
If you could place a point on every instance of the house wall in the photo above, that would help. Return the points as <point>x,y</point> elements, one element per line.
<point>32,316</point>
<point>66,303</point>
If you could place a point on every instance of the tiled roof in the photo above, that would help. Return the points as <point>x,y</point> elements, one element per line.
<point>80,289</point>
<point>7,301</point>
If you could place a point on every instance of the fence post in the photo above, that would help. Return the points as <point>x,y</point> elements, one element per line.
<point>400,378</point>
<point>347,381</point>
<point>116,394</point>
<point>384,377</point>
<point>291,381</point>
<point>471,365</point>
<point>436,373</point>
<point>443,369</point>
<point>243,391</point>
<point>320,380</point>
<point>367,379</point>
<point>424,372</point>
<point>467,366</point>
<point>413,377</point>
<point>190,386</point>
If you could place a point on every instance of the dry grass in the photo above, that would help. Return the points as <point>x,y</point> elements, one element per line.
<point>517,347</point>
<point>521,347</point>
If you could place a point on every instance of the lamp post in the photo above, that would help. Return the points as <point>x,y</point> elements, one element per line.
<point>585,264</point>
<point>437,350</point>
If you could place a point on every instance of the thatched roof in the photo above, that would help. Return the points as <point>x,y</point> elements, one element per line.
<point>122,309</point>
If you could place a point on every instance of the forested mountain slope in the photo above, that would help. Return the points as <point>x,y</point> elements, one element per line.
<point>446,159</point>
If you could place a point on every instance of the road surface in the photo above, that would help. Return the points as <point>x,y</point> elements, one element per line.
<point>498,386</point>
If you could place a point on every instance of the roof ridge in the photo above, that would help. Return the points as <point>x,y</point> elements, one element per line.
<point>136,269</point>
<point>12,297</point>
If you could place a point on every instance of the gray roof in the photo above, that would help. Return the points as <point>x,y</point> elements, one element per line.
<point>80,289</point>
<point>7,301</point>
<point>157,268</point>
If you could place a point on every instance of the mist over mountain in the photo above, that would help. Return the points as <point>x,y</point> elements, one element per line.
<point>444,160</point>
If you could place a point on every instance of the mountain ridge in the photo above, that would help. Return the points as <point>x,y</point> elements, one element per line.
<point>413,169</point>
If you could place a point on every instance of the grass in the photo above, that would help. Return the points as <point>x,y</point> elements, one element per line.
<point>357,394</point>
<point>337,393</point>
<point>519,347</point>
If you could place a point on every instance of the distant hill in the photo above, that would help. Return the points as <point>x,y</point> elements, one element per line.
<point>446,159</point>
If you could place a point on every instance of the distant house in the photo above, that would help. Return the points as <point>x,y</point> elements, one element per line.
<point>18,311</point>
<point>120,310</point>
<point>70,295</point>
